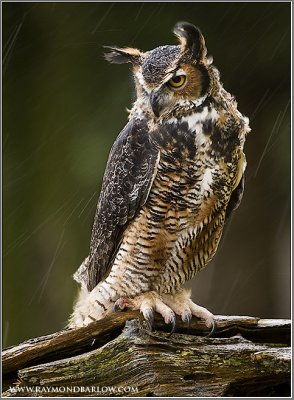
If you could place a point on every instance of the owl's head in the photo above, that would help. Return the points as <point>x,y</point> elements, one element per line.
<point>169,76</point>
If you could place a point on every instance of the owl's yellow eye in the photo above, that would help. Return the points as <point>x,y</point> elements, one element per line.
<point>177,81</point>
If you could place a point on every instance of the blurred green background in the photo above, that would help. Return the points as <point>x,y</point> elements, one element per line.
<point>63,106</point>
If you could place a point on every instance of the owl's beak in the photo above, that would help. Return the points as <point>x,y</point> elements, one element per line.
<point>155,102</point>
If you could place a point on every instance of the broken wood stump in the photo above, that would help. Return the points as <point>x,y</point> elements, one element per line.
<point>119,356</point>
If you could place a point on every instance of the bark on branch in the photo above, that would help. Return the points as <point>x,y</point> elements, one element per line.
<point>246,356</point>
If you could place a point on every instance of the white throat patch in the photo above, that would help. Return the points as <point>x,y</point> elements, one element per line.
<point>189,103</point>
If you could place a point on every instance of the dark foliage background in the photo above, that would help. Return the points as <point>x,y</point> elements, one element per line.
<point>63,107</point>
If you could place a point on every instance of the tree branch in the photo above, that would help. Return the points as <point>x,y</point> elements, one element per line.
<point>246,356</point>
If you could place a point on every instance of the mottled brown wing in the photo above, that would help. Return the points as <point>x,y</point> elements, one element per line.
<point>235,199</point>
<point>128,177</point>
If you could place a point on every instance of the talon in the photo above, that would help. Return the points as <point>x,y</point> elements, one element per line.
<point>187,317</point>
<point>149,317</point>
<point>118,305</point>
<point>173,323</point>
<point>212,329</point>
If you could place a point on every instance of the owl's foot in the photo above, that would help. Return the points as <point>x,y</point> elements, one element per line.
<point>147,303</point>
<point>183,306</point>
<point>90,307</point>
<point>167,306</point>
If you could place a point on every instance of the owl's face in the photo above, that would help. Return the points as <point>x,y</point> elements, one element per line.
<point>169,76</point>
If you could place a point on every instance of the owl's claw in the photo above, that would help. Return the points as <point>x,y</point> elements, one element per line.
<point>149,317</point>
<point>187,317</point>
<point>148,303</point>
<point>174,324</point>
<point>167,306</point>
<point>182,305</point>
<point>213,329</point>
<point>116,306</point>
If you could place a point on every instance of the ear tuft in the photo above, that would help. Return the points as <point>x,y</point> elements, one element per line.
<point>191,39</point>
<point>122,56</point>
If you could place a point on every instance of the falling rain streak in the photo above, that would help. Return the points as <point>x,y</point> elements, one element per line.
<point>275,130</point>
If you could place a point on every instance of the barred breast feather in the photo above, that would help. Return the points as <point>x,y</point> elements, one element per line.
<point>165,197</point>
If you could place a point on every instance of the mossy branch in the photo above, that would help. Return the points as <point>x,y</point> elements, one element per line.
<point>246,356</point>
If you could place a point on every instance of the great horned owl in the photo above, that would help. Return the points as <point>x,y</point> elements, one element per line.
<point>173,177</point>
